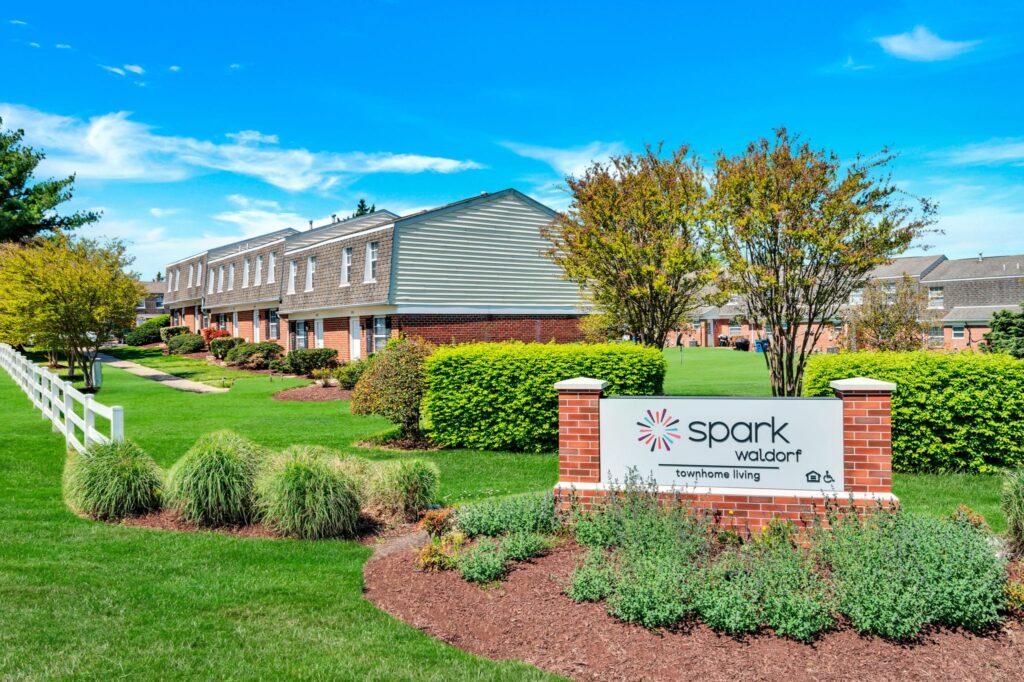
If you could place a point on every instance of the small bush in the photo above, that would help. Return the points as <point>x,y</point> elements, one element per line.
<point>437,522</point>
<point>147,332</point>
<point>212,484</point>
<point>527,513</point>
<point>730,599</point>
<point>185,343</point>
<point>1012,502</point>
<point>501,396</point>
<point>401,489</point>
<point>323,376</point>
<point>653,589</point>
<point>112,481</point>
<point>254,355</point>
<point>300,493</point>
<point>219,347</point>
<point>393,385</point>
<point>168,333</point>
<point>304,360</point>
<point>592,579</point>
<point>347,375</point>
<point>484,563</point>
<point>211,333</point>
<point>441,553</point>
<point>524,545</point>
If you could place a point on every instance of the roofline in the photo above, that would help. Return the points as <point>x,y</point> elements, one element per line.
<point>339,238</point>
<point>473,201</point>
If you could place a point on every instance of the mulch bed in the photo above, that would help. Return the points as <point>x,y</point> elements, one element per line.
<point>314,394</point>
<point>168,519</point>
<point>527,618</point>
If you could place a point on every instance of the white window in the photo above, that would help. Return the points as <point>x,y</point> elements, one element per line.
<point>256,325</point>
<point>370,273</point>
<point>199,274</point>
<point>935,336</point>
<point>220,279</point>
<point>380,333</point>
<point>310,272</point>
<point>257,278</point>
<point>234,323</point>
<point>346,265</point>
<point>293,270</point>
<point>936,298</point>
<point>170,280</point>
<point>299,334</point>
<point>177,278</point>
<point>189,275</point>
<point>141,305</point>
<point>856,297</point>
<point>209,288</point>
<point>958,331</point>
<point>273,324</point>
<point>318,333</point>
<point>159,301</point>
<point>231,276</point>
<point>735,328</point>
<point>271,268</point>
<point>889,289</point>
<point>245,273</point>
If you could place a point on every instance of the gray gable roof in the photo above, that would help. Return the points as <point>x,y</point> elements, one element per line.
<point>977,268</point>
<point>915,266</point>
<point>977,313</point>
<point>250,243</point>
<point>300,240</point>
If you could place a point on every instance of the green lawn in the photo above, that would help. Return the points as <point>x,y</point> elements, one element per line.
<point>186,368</point>
<point>86,600</point>
<point>715,371</point>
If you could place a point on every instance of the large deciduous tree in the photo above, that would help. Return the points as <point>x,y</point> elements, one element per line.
<point>634,238</point>
<point>798,230</point>
<point>68,295</point>
<point>890,316</point>
<point>29,208</point>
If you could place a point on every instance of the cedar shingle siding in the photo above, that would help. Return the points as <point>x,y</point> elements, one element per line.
<point>250,295</point>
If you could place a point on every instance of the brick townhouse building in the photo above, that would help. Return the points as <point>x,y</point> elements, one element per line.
<point>153,304</point>
<point>963,293</point>
<point>470,270</point>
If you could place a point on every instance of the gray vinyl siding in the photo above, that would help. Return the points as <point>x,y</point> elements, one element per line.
<point>487,254</point>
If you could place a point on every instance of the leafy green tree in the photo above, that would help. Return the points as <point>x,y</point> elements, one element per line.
<point>363,209</point>
<point>798,230</point>
<point>890,316</point>
<point>1007,335</point>
<point>634,239</point>
<point>394,384</point>
<point>29,208</point>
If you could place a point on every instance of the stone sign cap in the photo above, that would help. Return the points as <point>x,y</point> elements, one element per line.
<point>862,385</point>
<point>581,384</point>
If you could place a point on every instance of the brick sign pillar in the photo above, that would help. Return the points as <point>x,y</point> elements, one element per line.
<point>579,430</point>
<point>867,433</point>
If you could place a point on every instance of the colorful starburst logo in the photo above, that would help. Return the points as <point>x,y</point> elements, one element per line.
<point>659,430</point>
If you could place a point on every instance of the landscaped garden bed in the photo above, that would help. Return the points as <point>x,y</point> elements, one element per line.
<point>314,393</point>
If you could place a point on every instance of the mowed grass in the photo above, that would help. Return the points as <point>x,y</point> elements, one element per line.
<point>186,368</point>
<point>84,600</point>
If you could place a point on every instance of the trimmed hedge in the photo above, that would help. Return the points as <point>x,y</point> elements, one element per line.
<point>501,396</point>
<point>950,412</point>
<point>254,355</point>
<point>304,360</point>
<point>219,347</point>
<point>185,343</point>
<point>147,332</point>
<point>168,333</point>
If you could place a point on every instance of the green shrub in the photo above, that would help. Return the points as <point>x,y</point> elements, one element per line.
<point>254,355</point>
<point>894,573</point>
<point>483,563</point>
<point>185,343</point>
<point>653,589</point>
<point>168,333</point>
<point>402,488</point>
<point>347,375</point>
<point>950,412</point>
<point>393,385</point>
<point>592,579</point>
<point>301,493</point>
<point>501,396</point>
<point>522,546</point>
<point>112,481</point>
<point>219,347</point>
<point>304,360</point>
<point>526,513</point>
<point>1007,335</point>
<point>730,599</point>
<point>1012,503</point>
<point>147,332</point>
<point>212,484</point>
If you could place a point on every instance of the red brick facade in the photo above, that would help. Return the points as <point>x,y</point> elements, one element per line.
<point>459,328</point>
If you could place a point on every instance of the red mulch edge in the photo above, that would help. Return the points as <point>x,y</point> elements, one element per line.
<point>313,394</point>
<point>527,618</point>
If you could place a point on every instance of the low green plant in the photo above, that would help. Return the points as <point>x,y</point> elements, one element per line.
<point>185,343</point>
<point>148,332</point>
<point>212,484</point>
<point>437,522</point>
<point>485,562</point>
<point>323,376</point>
<point>591,580</point>
<point>347,375</point>
<point>527,513</point>
<point>112,481</point>
<point>254,355</point>
<point>301,493</point>
<point>441,553</point>
<point>1012,503</point>
<point>653,589</point>
<point>524,545</point>
<point>168,333</point>
<point>219,347</point>
<point>401,489</point>
<point>304,361</point>
<point>730,598</point>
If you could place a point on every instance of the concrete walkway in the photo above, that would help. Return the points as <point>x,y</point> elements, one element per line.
<point>156,375</point>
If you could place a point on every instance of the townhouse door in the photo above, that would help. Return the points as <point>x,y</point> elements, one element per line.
<point>355,335</point>
<point>318,333</point>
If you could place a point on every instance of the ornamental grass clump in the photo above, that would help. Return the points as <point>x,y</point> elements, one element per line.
<point>212,484</point>
<point>112,481</point>
<point>1012,503</point>
<point>527,513</point>
<point>401,489</point>
<point>302,493</point>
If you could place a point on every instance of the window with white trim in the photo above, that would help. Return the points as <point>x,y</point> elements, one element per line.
<point>257,277</point>
<point>958,331</point>
<point>209,288</point>
<point>177,279</point>
<point>370,273</point>
<point>271,267</point>
<point>889,289</point>
<point>299,334</point>
<point>856,297</point>
<point>346,265</point>
<point>380,333</point>
<point>273,324</point>
<point>245,273</point>
<point>293,271</point>
<point>190,271</point>
<point>159,301</point>
<point>735,328</point>
<point>231,276</point>
<point>220,279</point>
<point>310,272</point>
<point>936,336</point>
<point>199,274</point>
<point>936,298</point>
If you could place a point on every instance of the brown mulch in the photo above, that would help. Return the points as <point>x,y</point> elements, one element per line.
<point>401,444</point>
<point>314,394</point>
<point>168,519</point>
<point>527,618</point>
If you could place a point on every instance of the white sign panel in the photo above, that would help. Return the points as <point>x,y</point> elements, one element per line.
<point>773,443</point>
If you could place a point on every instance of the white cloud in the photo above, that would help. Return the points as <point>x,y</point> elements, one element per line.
<point>134,68</point>
<point>851,65</point>
<point>113,147</point>
<point>234,67</point>
<point>18,22</point>
<point>252,136</point>
<point>921,45</point>
<point>174,67</point>
<point>255,221</point>
<point>247,202</point>
<point>112,69</point>
<point>993,152</point>
<point>33,44</point>
<point>164,212</point>
<point>62,46</point>
<point>572,161</point>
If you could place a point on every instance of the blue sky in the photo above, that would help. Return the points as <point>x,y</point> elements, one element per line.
<point>194,124</point>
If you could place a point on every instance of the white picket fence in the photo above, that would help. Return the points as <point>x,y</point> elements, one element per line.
<point>57,400</point>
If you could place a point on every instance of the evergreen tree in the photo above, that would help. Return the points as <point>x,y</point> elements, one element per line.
<point>363,209</point>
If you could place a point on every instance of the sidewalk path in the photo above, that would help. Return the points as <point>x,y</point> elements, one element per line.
<point>156,375</point>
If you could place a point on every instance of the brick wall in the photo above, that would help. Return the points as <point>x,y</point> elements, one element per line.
<point>453,328</point>
<point>245,325</point>
<point>336,336</point>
